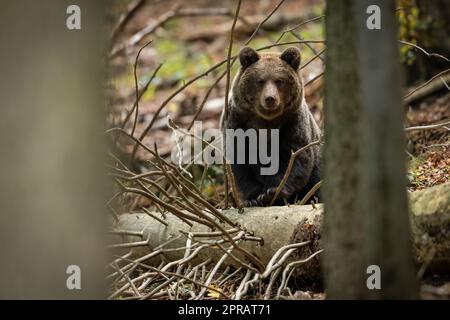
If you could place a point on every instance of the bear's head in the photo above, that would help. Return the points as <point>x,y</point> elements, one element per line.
<point>269,83</point>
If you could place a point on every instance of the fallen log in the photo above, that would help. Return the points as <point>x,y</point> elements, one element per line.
<point>426,89</point>
<point>280,226</point>
<point>247,25</point>
<point>430,227</point>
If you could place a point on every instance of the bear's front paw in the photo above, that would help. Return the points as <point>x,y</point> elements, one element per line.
<point>264,199</point>
<point>252,203</point>
<point>261,201</point>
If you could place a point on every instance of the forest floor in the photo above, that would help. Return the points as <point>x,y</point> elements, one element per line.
<point>187,46</point>
<point>430,149</point>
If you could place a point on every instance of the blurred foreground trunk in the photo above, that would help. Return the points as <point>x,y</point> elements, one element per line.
<point>366,220</point>
<point>51,134</point>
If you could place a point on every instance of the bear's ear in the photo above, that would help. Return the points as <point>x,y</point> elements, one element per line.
<point>247,56</point>
<point>292,57</point>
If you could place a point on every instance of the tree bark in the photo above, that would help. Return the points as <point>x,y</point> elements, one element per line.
<point>365,185</point>
<point>51,198</point>
<point>343,235</point>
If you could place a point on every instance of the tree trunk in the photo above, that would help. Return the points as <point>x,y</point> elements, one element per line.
<point>343,262</point>
<point>51,182</point>
<point>383,164</point>
<point>365,178</point>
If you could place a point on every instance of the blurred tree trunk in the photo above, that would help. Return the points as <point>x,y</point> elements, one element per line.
<point>343,221</point>
<point>366,219</point>
<point>51,133</point>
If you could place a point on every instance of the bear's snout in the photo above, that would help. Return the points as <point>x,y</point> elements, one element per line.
<point>270,100</point>
<point>270,96</point>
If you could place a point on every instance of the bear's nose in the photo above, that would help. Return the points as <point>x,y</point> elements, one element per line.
<point>270,101</point>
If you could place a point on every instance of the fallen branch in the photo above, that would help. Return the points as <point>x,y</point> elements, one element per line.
<point>248,25</point>
<point>434,84</point>
<point>287,173</point>
<point>227,175</point>
<point>423,50</point>
<point>132,9</point>
<point>175,12</point>
<point>428,127</point>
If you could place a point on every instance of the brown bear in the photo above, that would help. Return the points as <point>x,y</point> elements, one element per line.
<point>268,93</point>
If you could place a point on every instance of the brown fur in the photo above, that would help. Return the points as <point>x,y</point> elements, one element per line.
<point>268,93</point>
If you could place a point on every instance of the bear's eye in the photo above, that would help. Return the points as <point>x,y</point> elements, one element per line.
<point>260,81</point>
<point>279,81</point>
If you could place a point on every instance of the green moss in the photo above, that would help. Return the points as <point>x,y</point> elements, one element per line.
<point>179,63</point>
<point>413,175</point>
